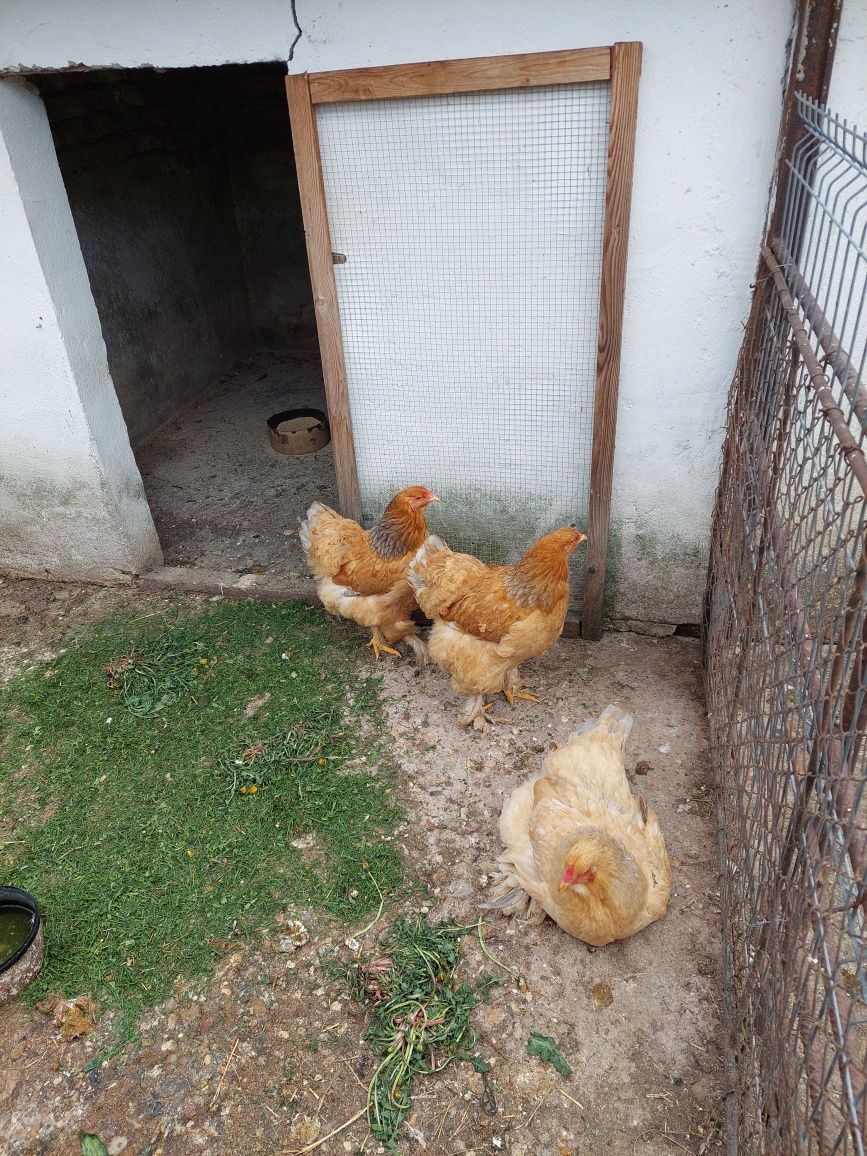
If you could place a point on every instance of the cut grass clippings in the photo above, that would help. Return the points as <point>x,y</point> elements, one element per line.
<point>123,768</point>
<point>420,1016</point>
<point>545,1048</point>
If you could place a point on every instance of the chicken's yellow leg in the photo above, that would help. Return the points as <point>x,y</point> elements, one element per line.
<point>511,695</point>
<point>512,689</point>
<point>379,647</point>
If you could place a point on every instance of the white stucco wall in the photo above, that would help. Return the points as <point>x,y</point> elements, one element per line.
<point>847,95</point>
<point>71,498</point>
<point>708,119</point>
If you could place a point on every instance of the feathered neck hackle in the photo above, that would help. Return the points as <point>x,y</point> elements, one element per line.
<point>401,529</point>
<point>541,575</point>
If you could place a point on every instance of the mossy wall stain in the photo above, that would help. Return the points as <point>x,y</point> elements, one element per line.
<point>612,572</point>
<point>653,576</point>
<point>495,528</point>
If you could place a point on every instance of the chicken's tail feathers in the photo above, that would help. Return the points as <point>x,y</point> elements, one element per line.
<point>305,530</point>
<point>514,902</point>
<point>431,546</point>
<point>515,898</point>
<point>613,722</point>
<point>506,894</point>
<point>319,516</point>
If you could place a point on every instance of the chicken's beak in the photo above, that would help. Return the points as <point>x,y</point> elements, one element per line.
<point>431,498</point>
<point>569,878</point>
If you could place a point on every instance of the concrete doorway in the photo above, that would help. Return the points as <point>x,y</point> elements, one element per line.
<point>183,190</point>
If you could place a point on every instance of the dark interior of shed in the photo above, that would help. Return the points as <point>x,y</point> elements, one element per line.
<point>183,190</point>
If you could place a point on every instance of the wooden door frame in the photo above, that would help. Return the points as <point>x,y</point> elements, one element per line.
<point>618,63</point>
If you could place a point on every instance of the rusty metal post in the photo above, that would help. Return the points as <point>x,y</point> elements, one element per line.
<point>813,46</point>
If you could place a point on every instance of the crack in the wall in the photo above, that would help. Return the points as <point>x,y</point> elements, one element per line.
<point>298,33</point>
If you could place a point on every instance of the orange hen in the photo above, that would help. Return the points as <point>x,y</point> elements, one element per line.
<point>488,619</point>
<point>362,574</point>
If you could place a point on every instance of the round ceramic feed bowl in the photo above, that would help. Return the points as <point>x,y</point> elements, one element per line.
<point>23,965</point>
<point>298,431</point>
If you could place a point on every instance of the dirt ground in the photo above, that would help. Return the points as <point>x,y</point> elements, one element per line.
<point>267,1056</point>
<point>221,498</point>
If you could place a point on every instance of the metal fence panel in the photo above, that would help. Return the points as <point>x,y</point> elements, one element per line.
<point>786,650</point>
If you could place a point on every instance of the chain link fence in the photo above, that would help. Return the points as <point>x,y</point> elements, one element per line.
<point>786,651</point>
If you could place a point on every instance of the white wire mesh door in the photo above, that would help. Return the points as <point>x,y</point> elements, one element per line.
<point>471,226</point>
<point>459,237</point>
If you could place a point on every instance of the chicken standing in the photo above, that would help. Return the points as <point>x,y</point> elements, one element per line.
<point>362,574</point>
<point>580,846</point>
<point>488,619</point>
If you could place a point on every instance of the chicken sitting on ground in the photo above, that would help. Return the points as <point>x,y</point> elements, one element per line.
<point>488,619</point>
<point>580,846</point>
<point>361,574</point>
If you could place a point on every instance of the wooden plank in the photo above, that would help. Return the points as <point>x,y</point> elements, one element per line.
<point>625,71</point>
<point>311,188</point>
<point>438,77</point>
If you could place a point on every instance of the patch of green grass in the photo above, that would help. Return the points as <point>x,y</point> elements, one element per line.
<point>122,771</point>
<point>153,676</point>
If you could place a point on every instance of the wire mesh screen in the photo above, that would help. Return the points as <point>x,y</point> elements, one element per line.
<point>786,635</point>
<point>471,227</point>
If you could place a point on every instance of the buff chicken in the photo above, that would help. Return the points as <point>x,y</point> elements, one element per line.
<point>489,619</point>
<point>580,846</point>
<point>362,574</point>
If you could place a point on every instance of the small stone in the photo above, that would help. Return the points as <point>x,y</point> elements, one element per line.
<point>116,1144</point>
<point>665,749</point>
<point>642,767</point>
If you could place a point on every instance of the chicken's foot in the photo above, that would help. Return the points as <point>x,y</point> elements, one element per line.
<point>512,689</point>
<point>379,647</point>
<point>511,695</point>
<point>476,713</point>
